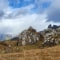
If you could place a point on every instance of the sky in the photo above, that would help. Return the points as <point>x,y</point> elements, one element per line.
<point>17,15</point>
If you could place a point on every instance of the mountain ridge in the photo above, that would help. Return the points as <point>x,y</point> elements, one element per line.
<point>31,39</point>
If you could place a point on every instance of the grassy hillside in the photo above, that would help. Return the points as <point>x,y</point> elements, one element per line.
<point>51,53</point>
<point>9,46</point>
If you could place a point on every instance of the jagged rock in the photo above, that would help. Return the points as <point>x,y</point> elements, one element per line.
<point>53,27</point>
<point>50,26</point>
<point>51,38</point>
<point>31,29</point>
<point>15,38</point>
<point>29,36</point>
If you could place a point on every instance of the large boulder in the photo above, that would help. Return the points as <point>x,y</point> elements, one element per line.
<point>29,36</point>
<point>51,38</point>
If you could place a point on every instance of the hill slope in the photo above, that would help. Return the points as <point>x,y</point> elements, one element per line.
<point>52,53</point>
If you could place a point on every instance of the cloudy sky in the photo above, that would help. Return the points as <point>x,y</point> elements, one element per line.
<point>17,15</point>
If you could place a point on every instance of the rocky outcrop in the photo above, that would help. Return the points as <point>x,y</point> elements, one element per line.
<point>51,36</point>
<point>53,27</point>
<point>29,36</point>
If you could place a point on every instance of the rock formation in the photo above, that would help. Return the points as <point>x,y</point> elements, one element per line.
<point>29,36</point>
<point>49,36</point>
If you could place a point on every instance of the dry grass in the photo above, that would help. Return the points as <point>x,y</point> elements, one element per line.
<point>51,53</point>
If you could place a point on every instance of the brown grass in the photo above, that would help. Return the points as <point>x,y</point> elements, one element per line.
<point>51,53</point>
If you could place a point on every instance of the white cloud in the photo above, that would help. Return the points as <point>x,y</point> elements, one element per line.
<point>16,20</point>
<point>38,21</point>
<point>20,23</point>
<point>54,11</point>
<point>13,13</point>
<point>3,4</point>
<point>55,4</point>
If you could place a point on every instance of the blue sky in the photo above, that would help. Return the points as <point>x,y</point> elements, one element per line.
<point>20,3</point>
<point>17,15</point>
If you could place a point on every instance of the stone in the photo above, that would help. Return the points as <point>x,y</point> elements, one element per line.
<point>29,36</point>
<point>23,42</point>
